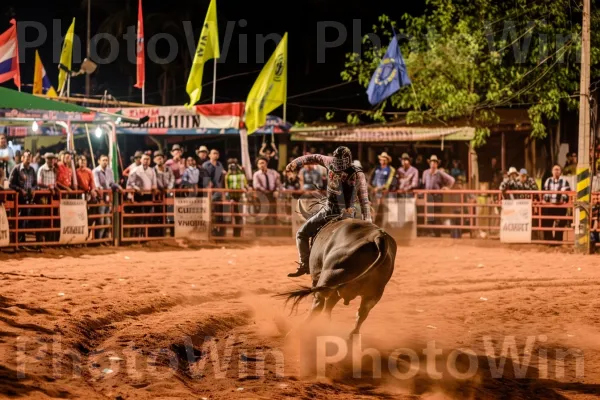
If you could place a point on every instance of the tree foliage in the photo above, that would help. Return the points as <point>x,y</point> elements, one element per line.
<point>468,57</point>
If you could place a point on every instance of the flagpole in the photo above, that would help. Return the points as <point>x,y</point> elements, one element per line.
<point>214,80</point>
<point>144,93</point>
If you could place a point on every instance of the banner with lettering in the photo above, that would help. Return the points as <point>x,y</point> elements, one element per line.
<point>192,217</point>
<point>4,237</point>
<point>515,221</point>
<point>73,221</point>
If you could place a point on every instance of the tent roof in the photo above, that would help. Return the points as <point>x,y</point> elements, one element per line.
<point>12,99</point>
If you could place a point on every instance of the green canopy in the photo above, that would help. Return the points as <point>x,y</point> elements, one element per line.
<point>13,99</point>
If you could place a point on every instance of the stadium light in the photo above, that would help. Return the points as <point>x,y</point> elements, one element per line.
<point>98,132</point>
<point>34,126</point>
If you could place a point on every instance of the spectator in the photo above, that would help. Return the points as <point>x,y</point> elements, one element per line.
<point>202,154</point>
<point>104,180</point>
<point>434,179</point>
<point>310,178</point>
<point>136,162</point>
<point>216,173</point>
<point>17,157</point>
<point>23,180</point>
<point>269,153</point>
<point>571,166</point>
<point>35,163</point>
<point>407,177</point>
<point>526,183</point>
<point>46,174</point>
<point>191,175</point>
<point>492,174</point>
<point>267,182</point>
<point>165,180</point>
<point>85,179</point>
<point>64,173</point>
<point>143,180</point>
<point>7,157</point>
<point>420,164</point>
<point>457,169</point>
<point>510,183</point>
<point>176,164</point>
<point>235,180</point>
<point>383,175</point>
<point>555,183</point>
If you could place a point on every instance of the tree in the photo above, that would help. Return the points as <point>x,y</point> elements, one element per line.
<point>467,57</point>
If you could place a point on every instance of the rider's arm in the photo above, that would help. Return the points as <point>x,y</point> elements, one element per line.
<point>300,162</point>
<point>363,196</point>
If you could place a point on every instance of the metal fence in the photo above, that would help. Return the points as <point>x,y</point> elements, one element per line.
<point>235,215</point>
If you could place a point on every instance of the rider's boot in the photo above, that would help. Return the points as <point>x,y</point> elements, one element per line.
<point>302,270</point>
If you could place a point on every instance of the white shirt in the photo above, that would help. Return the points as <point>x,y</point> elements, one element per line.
<point>142,178</point>
<point>8,152</point>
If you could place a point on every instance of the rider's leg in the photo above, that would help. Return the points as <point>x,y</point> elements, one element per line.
<point>306,231</point>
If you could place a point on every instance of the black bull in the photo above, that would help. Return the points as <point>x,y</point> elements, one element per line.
<point>349,258</point>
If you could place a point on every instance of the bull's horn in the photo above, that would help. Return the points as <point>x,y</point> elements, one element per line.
<point>302,210</point>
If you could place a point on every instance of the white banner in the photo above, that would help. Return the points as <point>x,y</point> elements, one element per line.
<point>515,221</point>
<point>4,236</point>
<point>73,221</point>
<point>192,217</point>
<point>399,211</point>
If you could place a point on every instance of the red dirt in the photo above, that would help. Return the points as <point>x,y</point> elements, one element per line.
<point>65,313</point>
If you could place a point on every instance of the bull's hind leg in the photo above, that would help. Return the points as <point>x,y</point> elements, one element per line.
<point>366,305</point>
<point>331,301</point>
<point>317,306</point>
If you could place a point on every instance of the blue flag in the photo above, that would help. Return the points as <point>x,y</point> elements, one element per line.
<point>390,76</point>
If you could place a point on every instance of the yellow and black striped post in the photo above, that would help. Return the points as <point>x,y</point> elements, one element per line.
<point>582,210</point>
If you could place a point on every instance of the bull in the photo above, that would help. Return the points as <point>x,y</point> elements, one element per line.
<point>349,258</point>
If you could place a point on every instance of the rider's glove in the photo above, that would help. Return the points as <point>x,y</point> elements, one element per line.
<point>369,220</point>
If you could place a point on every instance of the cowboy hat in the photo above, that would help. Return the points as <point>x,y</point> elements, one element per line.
<point>386,156</point>
<point>202,149</point>
<point>434,158</point>
<point>176,147</point>
<point>512,170</point>
<point>405,156</point>
<point>49,155</point>
<point>523,171</point>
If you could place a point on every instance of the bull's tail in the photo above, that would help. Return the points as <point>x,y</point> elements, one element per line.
<point>300,294</point>
<point>380,243</point>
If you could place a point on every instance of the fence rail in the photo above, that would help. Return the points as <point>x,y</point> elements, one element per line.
<point>233,215</point>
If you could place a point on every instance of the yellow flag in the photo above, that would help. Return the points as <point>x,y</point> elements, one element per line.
<point>41,82</point>
<point>66,57</point>
<point>269,90</point>
<point>208,48</point>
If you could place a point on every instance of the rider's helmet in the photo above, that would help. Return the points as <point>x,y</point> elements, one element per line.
<point>342,159</point>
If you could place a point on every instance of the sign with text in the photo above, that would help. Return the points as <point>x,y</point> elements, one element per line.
<point>192,217</point>
<point>73,221</point>
<point>4,237</point>
<point>515,221</point>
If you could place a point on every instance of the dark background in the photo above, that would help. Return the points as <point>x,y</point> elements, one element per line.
<point>299,19</point>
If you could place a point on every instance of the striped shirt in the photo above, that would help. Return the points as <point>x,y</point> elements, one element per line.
<point>237,182</point>
<point>165,178</point>
<point>558,185</point>
<point>104,179</point>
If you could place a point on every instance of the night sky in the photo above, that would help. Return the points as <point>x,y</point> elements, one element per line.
<point>300,19</point>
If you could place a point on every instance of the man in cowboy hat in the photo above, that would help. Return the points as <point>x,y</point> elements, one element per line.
<point>202,154</point>
<point>407,176</point>
<point>382,177</point>
<point>176,164</point>
<point>136,162</point>
<point>510,182</point>
<point>435,179</point>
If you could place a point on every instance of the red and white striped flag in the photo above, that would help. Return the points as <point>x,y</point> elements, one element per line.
<point>141,61</point>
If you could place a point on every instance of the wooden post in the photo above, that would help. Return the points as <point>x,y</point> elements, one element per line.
<point>503,153</point>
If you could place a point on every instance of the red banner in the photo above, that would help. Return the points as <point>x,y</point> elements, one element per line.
<point>141,61</point>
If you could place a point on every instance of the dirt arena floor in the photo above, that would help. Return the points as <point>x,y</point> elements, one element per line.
<point>458,320</point>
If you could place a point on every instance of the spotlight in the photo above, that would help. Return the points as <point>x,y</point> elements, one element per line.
<point>98,132</point>
<point>34,126</point>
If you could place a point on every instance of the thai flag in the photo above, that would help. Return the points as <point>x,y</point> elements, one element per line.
<point>9,55</point>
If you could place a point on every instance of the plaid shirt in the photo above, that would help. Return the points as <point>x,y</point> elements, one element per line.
<point>237,182</point>
<point>46,176</point>
<point>165,179</point>
<point>558,185</point>
<point>23,178</point>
